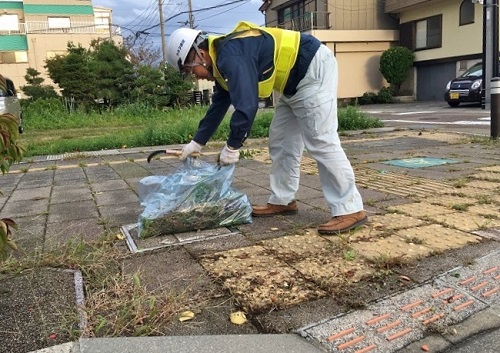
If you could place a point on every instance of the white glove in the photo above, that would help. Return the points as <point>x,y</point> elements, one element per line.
<point>228,155</point>
<point>189,149</point>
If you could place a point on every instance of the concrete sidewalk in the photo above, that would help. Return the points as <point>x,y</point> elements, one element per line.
<point>430,196</point>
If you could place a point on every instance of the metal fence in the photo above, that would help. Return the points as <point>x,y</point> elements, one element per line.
<point>41,27</point>
<point>307,22</point>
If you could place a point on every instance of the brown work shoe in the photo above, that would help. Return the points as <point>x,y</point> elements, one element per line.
<point>273,210</point>
<point>339,224</point>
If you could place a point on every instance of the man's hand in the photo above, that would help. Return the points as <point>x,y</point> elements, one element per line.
<point>190,148</point>
<point>228,155</point>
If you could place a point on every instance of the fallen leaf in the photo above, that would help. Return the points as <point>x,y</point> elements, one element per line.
<point>53,336</point>
<point>238,318</point>
<point>425,348</point>
<point>274,228</point>
<point>186,315</point>
<point>405,278</point>
<point>120,236</point>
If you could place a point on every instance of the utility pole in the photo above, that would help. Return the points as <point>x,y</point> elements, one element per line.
<point>490,48</point>
<point>191,18</point>
<point>162,32</point>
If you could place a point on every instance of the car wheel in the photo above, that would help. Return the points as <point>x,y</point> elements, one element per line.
<point>453,104</point>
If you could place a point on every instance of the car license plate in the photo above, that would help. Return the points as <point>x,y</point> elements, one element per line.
<point>454,95</point>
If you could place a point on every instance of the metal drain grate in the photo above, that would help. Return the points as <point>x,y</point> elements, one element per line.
<point>137,244</point>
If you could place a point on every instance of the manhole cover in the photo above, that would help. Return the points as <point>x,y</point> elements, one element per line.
<point>137,244</point>
<point>420,162</point>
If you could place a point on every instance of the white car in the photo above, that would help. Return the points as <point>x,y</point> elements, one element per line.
<point>9,103</point>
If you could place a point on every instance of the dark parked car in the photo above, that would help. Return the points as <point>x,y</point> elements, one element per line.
<point>465,88</point>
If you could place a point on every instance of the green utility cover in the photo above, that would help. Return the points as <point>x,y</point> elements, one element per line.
<point>419,162</point>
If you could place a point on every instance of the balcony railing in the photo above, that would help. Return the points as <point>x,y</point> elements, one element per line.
<point>40,27</point>
<point>307,22</point>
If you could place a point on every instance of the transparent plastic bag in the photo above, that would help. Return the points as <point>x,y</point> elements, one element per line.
<point>198,195</point>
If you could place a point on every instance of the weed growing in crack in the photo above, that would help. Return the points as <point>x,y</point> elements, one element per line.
<point>116,304</point>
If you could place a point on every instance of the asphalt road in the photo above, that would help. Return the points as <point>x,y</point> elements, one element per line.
<point>465,118</point>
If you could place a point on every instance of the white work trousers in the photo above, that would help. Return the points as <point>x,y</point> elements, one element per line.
<point>309,119</point>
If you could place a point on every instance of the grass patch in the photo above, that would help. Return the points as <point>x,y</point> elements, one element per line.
<point>51,130</point>
<point>115,304</point>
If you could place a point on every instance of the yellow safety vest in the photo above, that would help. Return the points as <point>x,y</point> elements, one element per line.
<point>286,47</point>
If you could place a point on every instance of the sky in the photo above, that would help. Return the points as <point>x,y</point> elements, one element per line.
<point>134,16</point>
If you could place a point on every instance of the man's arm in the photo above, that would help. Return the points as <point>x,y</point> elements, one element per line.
<point>214,116</point>
<point>241,74</point>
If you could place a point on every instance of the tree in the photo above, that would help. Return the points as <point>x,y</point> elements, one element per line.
<point>142,52</point>
<point>177,88</point>
<point>149,87</point>
<point>92,76</point>
<point>113,71</point>
<point>394,65</point>
<point>35,89</point>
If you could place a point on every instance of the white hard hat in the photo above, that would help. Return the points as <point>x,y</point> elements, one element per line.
<point>179,44</point>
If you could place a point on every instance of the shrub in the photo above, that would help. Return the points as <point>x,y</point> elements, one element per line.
<point>384,95</point>
<point>394,65</point>
<point>367,98</point>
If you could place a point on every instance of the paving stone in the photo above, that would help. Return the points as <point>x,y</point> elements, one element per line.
<point>487,176</point>
<point>116,197</point>
<point>437,238</point>
<point>271,288</point>
<point>25,209</point>
<point>390,249</point>
<point>71,211</point>
<point>391,221</point>
<point>109,185</point>
<point>420,209</point>
<point>450,201</point>
<point>466,223</point>
<point>60,233</point>
<point>68,193</point>
<point>393,323</point>
<point>31,194</point>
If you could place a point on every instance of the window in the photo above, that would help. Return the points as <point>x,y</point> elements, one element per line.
<point>13,57</point>
<point>102,21</point>
<point>9,23</point>
<point>59,22</point>
<point>428,33</point>
<point>466,12</point>
<point>287,16</point>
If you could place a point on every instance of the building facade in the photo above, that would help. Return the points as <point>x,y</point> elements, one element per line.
<point>32,31</point>
<point>357,31</point>
<point>446,37</point>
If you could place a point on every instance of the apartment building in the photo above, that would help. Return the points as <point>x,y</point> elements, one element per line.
<point>33,30</point>
<point>357,31</point>
<point>446,37</point>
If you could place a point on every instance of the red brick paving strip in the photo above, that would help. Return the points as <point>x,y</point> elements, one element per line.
<point>412,305</point>
<point>479,286</point>
<point>433,319</point>
<point>463,306</point>
<point>366,349</point>
<point>377,319</point>
<point>350,343</point>
<point>340,334</point>
<point>443,292</point>
<point>493,269</point>
<point>490,292</point>
<point>388,327</point>
<point>399,334</point>
<point>421,312</point>
<point>468,280</point>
